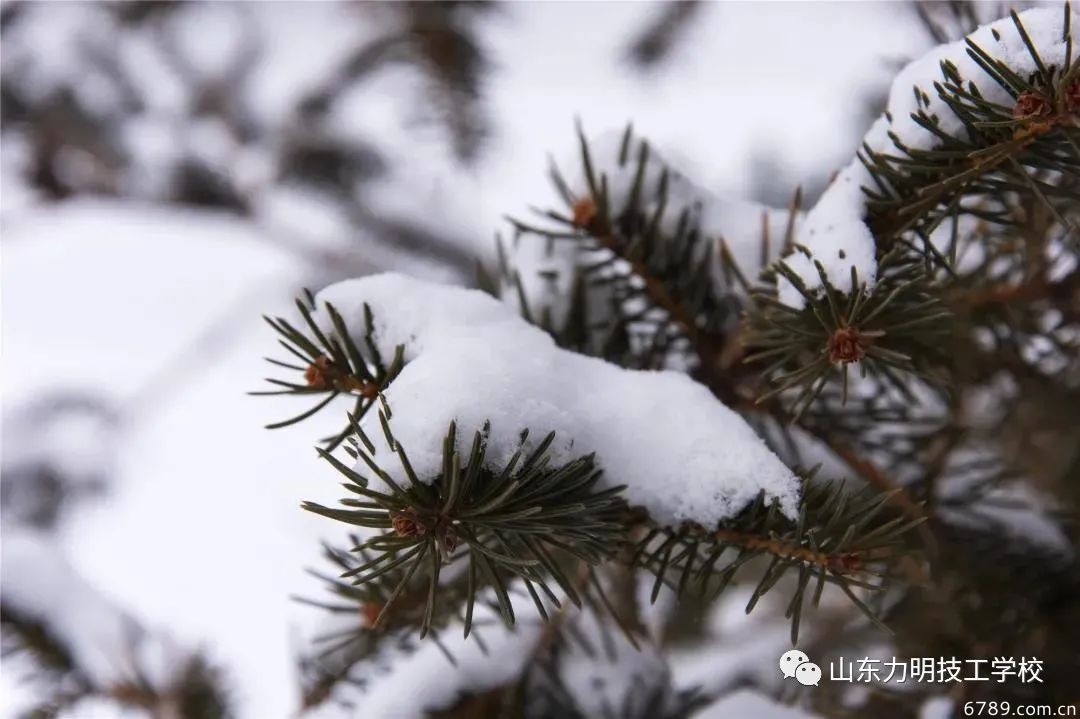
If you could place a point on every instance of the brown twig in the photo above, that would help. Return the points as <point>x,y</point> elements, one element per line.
<point>656,290</point>
<point>842,563</point>
<point>1033,291</point>
<point>931,196</point>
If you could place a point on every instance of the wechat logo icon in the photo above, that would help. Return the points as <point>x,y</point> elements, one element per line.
<point>795,664</point>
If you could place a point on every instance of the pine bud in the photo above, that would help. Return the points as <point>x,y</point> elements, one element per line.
<point>316,373</point>
<point>448,540</point>
<point>324,374</point>
<point>1031,105</point>
<point>370,611</point>
<point>845,563</point>
<point>407,524</point>
<point>846,345</point>
<point>584,212</point>
<point>1072,97</point>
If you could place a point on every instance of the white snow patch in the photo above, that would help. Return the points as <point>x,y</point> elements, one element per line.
<point>834,232</point>
<point>1017,511</point>
<point>601,683</point>
<point>749,703</point>
<point>607,676</point>
<point>937,708</point>
<point>76,442</point>
<point>682,454</point>
<point>106,643</point>
<point>398,694</point>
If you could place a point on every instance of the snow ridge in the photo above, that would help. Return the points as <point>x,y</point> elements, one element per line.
<point>681,453</point>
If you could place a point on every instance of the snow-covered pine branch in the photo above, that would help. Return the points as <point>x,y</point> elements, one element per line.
<point>532,443</point>
<point>990,96</point>
<point>641,265</point>
<point>469,359</point>
<point>496,459</point>
<point>983,132</point>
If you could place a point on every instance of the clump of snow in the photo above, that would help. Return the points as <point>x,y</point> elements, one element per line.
<point>834,232</point>
<point>681,453</point>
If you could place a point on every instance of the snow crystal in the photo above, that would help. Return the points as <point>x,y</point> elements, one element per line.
<point>833,231</point>
<point>682,454</point>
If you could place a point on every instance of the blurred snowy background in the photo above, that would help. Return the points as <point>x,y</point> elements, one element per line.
<point>171,171</point>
